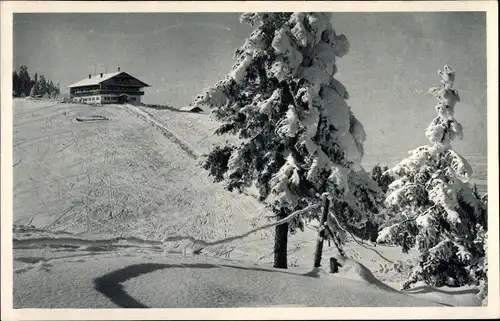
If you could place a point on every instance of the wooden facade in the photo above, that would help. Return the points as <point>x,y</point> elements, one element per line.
<point>118,87</point>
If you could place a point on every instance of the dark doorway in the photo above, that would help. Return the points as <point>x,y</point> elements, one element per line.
<point>122,99</point>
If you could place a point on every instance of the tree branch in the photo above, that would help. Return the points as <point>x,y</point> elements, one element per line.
<point>240,236</point>
<point>354,238</point>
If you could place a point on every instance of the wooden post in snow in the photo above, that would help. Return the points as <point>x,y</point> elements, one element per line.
<point>321,232</point>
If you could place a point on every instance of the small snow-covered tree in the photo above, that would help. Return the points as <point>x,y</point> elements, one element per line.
<point>24,81</point>
<point>298,137</point>
<point>42,84</point>
<point>35,86</point>
<point>379,175</point>
<point>16,84</point>
<point>433,204</point>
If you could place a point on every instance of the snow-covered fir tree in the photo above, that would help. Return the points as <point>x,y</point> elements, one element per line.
<point>434,206</point>
<point>379,175</point>
<point>298,137</point>
<point>34,90</point>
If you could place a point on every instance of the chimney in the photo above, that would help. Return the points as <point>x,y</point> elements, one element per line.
<point>90,76</point>
<point>101,74</point>
<point>118,68</point>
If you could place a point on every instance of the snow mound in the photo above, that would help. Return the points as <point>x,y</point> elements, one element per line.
<point>352,269</point>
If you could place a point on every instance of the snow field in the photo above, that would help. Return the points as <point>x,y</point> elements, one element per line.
<point>184,201</point>
<point>120,177</point>
<point>140,277</point>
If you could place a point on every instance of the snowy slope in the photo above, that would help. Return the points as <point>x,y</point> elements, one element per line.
<point>196,129</point>
<point>120,176</point>
<point>137,175</point>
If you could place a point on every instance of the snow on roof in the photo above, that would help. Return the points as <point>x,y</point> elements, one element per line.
<point>97,79</point>
<point>94,80</point>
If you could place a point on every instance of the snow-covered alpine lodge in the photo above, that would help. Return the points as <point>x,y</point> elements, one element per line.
<point>116,87</point>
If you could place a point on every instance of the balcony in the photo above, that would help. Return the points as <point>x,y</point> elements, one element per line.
<point>79,93</point>
<point>121,91</point>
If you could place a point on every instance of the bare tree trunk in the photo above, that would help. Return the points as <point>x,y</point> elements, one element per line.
<point>281,243</point>
<point>321,233</point>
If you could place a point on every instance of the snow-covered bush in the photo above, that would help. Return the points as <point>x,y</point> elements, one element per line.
<point>434,206</point>
<point>299,138</point>
<point>482,238</point>
<point>379,175</point>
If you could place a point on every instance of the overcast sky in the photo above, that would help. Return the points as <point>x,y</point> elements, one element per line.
<point>393,60</point>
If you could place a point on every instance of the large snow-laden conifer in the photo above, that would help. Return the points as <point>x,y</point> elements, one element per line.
<point>299,138</point>
<point>434,206</point>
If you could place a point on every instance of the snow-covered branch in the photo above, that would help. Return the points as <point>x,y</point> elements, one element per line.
<point>243,235</point>
<point>356,240</point>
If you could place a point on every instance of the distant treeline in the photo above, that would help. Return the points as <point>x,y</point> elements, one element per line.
<point>38,86</point>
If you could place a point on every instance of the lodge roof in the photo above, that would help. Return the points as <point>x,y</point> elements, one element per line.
<point>97,79</point>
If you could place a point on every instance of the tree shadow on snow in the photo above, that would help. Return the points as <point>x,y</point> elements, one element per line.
<point>259,269</point>
<point>316,274</point>
<point>110,284</point>
<point>165,107</point>
<point>427,289</point>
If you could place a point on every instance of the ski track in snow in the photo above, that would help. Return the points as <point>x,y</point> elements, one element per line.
<point>60,193</point>
<point>165,131</point>
<point>40,242</point>
<point>191,151</point>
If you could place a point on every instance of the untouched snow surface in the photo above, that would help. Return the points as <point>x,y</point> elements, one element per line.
<point>133,176</point>
<point>135,276</point>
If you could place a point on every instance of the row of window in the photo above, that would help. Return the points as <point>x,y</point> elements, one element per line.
<point>90,98</point>
<point>119,88</point>
<point>95,90</point>
<point>105,98</point>
<point>85,89</point>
